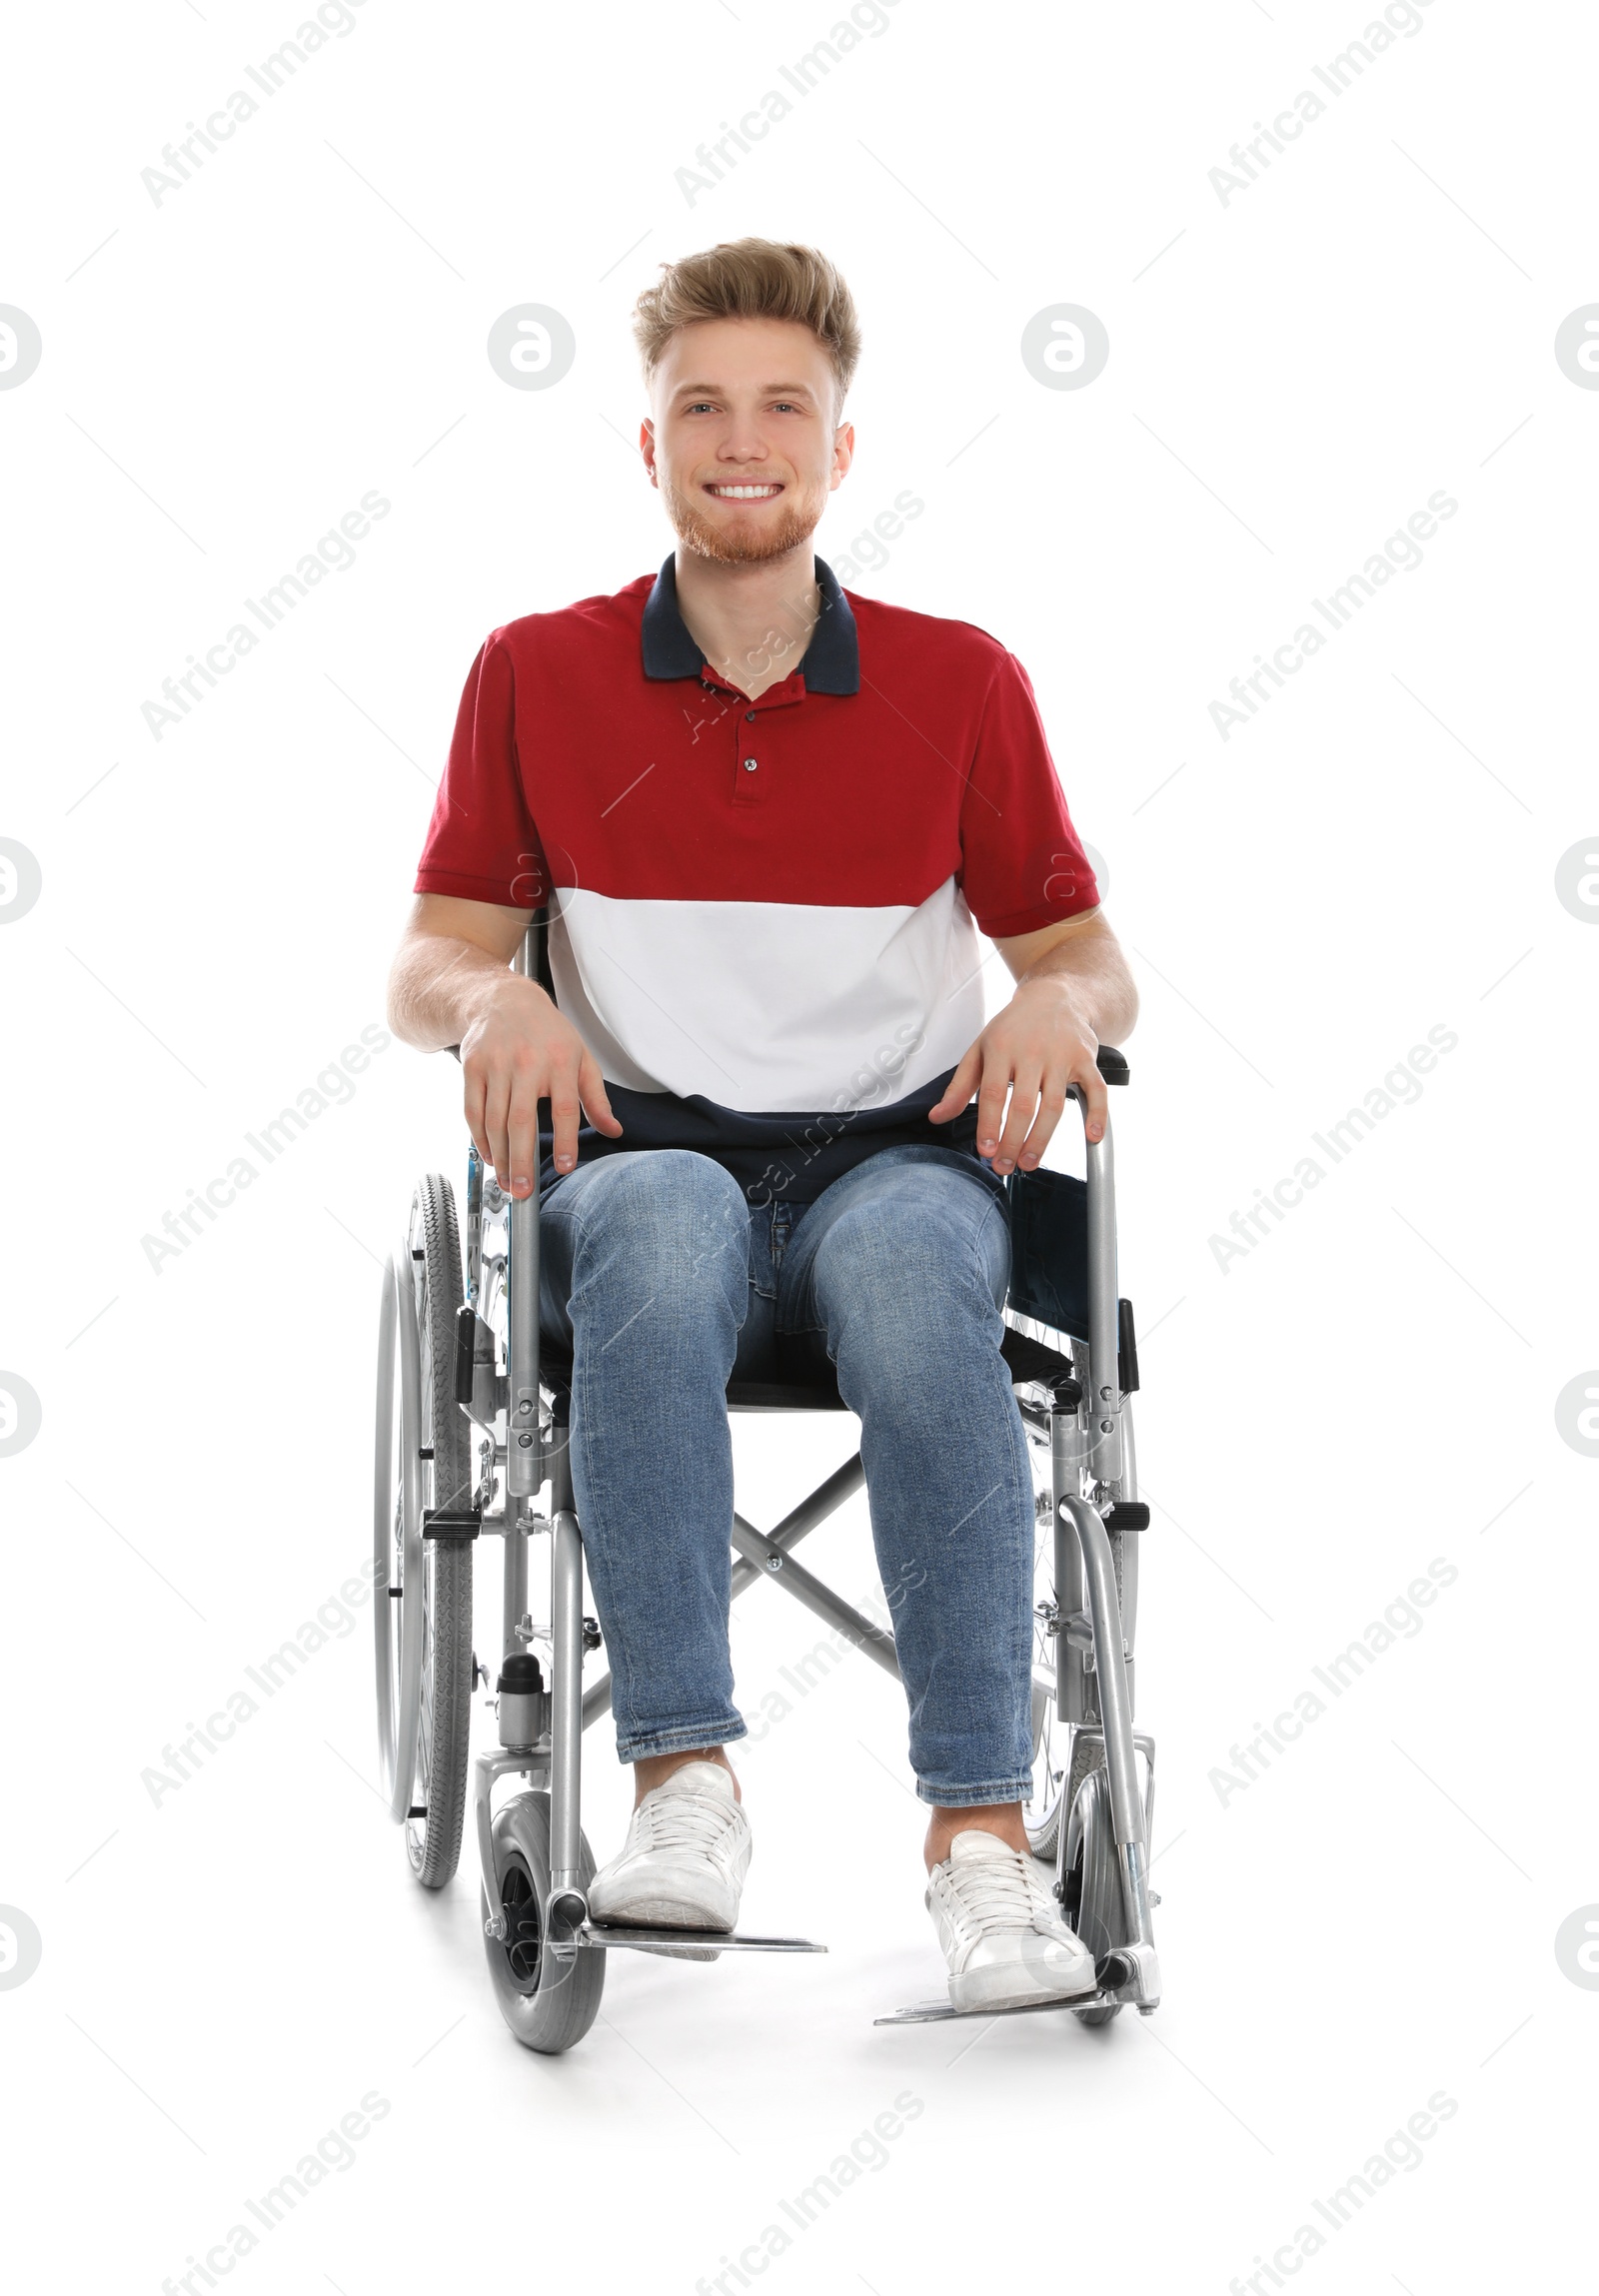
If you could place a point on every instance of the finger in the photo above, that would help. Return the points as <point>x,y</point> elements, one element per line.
<point>1097,1100</point>
<point>991,1104</point>
<point>1023,1103</point>
<point>522,1130</point>
<point>496,1121</point>
<point>563,1108</point>
<point>962,1085</point>
<point>1051,1101</point>
<point>471,1088</point>
<point>592,1092</point>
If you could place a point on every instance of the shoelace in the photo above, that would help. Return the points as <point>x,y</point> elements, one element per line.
<point>681,1821</point>
<point>1006,1896</point>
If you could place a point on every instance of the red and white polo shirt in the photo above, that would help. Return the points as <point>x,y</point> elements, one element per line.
<point>763,914</point>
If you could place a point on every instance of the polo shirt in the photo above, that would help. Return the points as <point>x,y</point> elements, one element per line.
<point>763,915</point>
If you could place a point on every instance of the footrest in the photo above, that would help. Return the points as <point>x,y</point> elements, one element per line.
<point>691,1945</point>
<point>940,2012</point>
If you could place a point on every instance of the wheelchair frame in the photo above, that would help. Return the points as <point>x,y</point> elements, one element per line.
<point>1095,1515</point>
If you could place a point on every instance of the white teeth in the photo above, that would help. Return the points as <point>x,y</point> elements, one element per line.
<point>746,494</point>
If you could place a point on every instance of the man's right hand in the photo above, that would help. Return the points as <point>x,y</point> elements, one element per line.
<point>449,986</point>
<point>516,1051</point>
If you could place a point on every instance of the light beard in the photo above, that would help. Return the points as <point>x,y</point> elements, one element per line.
<point>798,519</point>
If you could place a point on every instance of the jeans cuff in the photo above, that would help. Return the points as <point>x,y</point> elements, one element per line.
<point>973,1796</point>
<point>637,1745</point>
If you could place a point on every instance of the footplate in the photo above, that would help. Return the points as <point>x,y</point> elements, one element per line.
<point>1128,1977</point>
<point>689,1945</point>
<point>940,2012</point>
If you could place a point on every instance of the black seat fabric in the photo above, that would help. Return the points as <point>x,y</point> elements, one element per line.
<point>1028,1359</point>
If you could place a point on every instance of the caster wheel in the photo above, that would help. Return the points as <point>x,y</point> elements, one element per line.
<point>1092,1901</point>
<point>553,2019</point>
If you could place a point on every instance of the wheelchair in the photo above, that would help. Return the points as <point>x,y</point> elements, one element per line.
<point>473,1411</point>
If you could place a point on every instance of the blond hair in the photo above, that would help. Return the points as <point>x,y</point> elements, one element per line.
<point>751,279</point>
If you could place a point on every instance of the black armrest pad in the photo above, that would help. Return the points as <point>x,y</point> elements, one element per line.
<point>1114,1065</point>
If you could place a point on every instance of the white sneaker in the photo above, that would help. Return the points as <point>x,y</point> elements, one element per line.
<point>683,1864</point>
<point>1001,1932</point>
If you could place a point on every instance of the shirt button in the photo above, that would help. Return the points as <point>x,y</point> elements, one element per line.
<point>750,765</point>
<point>750,716</point>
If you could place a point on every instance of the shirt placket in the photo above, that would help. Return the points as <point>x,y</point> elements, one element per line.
<point>752,736</point>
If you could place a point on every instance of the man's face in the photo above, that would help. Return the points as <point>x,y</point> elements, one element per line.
<point>742,439</point>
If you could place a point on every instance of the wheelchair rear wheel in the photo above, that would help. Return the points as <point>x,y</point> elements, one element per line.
<point>1041,1811</point>
<point>553,2019</point>
<point>424,1627</point>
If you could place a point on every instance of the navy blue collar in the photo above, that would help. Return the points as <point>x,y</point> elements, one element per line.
<point>830,661</point>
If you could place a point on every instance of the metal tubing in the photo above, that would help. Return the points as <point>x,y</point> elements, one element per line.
<point>1103,1369</point>
<point>565,1705</point>
<point>514,1583</point>
<point>838,1486</point>
<point>1111,1673</point>
<point>804,1588</point>
<point>1072,1703</point>
<point>1115,1710</point>
<point>842,1483</point>
<point>524,1469</point>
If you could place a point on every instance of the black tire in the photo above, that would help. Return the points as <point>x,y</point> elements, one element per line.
<point>1093,1903</point>
<point>553,2019</point>
<point>433,1843</point>
<point>1046,1803</point>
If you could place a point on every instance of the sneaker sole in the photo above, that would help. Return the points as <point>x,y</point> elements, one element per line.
<point>1001,1989</point>
<point>660,1912</point>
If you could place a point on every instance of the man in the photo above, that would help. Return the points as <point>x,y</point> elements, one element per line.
<point>765,813</point>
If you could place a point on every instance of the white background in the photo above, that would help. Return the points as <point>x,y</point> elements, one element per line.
<point>1373,1920</point>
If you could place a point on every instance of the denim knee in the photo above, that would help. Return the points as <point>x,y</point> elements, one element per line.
<point>669,1226</point>
<point>909,1260</point>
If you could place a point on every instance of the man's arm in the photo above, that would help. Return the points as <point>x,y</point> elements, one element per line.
<point>448,985</point>
<point>1073,992</point>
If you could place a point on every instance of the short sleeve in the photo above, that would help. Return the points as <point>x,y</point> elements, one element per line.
<point>482,844</point>
<point>1022,865</point>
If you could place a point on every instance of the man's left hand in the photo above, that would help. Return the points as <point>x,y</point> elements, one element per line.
<point>1040,1044</point>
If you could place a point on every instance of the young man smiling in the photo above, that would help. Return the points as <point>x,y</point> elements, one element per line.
<point>767,816</point>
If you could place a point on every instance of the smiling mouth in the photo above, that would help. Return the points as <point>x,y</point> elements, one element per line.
<point>764,490</point>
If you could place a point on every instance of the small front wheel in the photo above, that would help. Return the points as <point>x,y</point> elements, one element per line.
<point>1093,1902</point>
<point>546,2018</point>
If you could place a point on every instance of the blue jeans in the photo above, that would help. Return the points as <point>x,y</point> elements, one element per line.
<point>664,1283</point>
